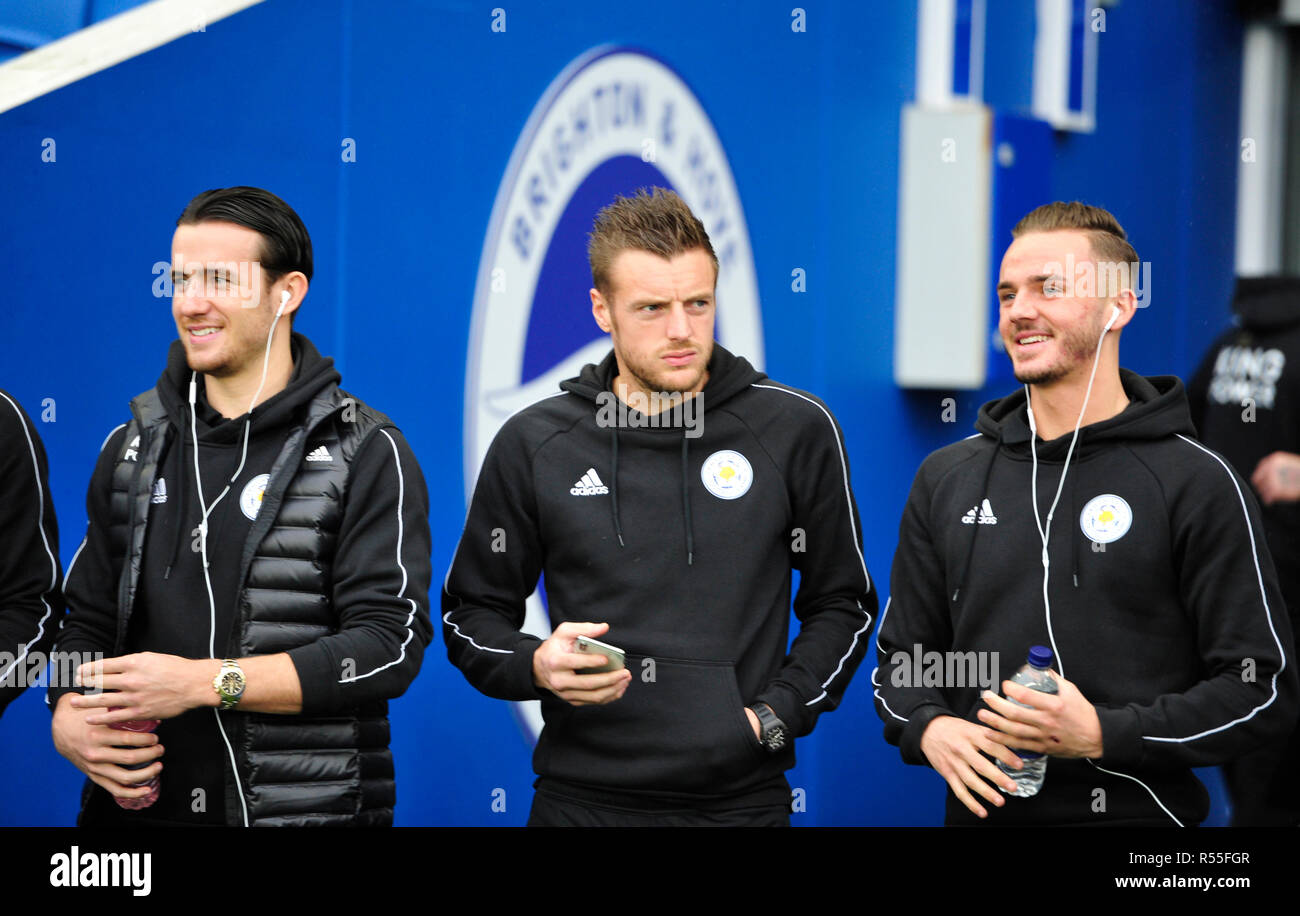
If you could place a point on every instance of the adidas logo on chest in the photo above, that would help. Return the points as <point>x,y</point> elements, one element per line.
<point>589,484</point>
<point>981,515</point>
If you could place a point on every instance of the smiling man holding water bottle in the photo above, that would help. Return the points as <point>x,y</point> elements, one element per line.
<point>1086,528</point>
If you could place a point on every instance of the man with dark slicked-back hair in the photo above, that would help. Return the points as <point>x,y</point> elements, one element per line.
<point>256,566</point>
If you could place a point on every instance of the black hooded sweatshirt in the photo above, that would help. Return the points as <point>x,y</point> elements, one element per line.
<point>31,601</point>
<point>682,538</point>
<point>172,613</point>
<point>1164,605</point>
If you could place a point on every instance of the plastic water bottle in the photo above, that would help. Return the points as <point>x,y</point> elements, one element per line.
<point>144,801</point>
<point>1034,676</point>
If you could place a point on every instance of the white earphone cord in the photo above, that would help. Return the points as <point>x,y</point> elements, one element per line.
<point>207,511</point>
<point>1044,532</point>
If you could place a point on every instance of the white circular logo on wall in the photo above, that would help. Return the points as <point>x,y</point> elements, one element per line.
<point>251,499</point>
<point>1106,518</point>
<point>614,121</point>
<point>727,474</point>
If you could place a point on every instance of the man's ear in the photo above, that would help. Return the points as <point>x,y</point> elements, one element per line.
<point>296,284</point>
<point>600,310</point>
<point>1126,302</point>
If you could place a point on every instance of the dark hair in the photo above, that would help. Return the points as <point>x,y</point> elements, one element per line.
<point>286,246</point>
<point>658,222</point>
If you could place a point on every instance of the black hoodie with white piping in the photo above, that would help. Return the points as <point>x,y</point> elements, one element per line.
<point>1164,605</point>
<point>31,600</point>
<point>684,544</point>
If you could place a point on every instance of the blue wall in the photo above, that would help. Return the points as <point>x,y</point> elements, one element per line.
<point>435,101</point>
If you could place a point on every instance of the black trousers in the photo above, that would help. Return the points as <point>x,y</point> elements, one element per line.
<point>551,809</point>
<point>1264,785</point>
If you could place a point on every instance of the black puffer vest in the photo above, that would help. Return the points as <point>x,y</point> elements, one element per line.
<point>292,770</point>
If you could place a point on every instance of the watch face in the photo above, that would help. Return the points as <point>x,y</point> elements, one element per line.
<point>775,739</point>
<point>232,683</point>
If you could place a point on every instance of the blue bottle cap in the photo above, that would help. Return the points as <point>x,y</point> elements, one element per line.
<point>1040,656</point>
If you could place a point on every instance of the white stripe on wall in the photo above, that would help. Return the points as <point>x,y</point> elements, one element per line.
<point>107,43</point>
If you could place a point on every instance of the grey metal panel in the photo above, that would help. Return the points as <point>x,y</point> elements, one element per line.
<point>943,248</point>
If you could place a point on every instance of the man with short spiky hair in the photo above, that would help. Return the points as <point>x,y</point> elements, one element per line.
<point>672,540</point>
<point>1084,518</point>
<point>256,565</point>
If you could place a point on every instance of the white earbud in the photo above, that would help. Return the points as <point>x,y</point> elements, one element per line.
<point>284,300</point>
<point>1114,316</point>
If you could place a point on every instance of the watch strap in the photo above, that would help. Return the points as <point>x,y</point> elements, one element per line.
<point>772,731</point>
<point>229,683</point>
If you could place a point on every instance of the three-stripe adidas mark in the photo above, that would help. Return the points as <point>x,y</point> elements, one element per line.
<point>320,453</point>
<point>981,514</point>
<point>589,485</point>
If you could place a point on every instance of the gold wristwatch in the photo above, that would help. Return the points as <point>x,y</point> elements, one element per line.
<point>229,683</point>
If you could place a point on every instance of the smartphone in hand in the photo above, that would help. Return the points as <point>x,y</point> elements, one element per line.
<point>613,655</point>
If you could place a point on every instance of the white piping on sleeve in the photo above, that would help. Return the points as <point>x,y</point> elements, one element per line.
<point>40,524</point>
<point>446,618</point>
<point>110,435</point>
<point>1268,614</point>
<point>840,667</point>
<point>401,501</point>
<point>67,573</point>
<point>853,534</point>
<point>80,548</point>
<point>446,581</point>
<point>875,682</point>
<point>883,615</point>
<point>844,468</point>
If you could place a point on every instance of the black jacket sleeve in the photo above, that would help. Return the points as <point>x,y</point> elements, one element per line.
<point>381,584</point>
<point>836,603</point>
<point>495,568</point>
<point>31,602</point>
<point>915,615</point>
<point>90,629</point>
<point>1230,592</point>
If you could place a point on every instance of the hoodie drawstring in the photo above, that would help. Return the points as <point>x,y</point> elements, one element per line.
<point>686,501</point>
<point>1074,528</point>
<point>613,482</point>
<point>686,493</point>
